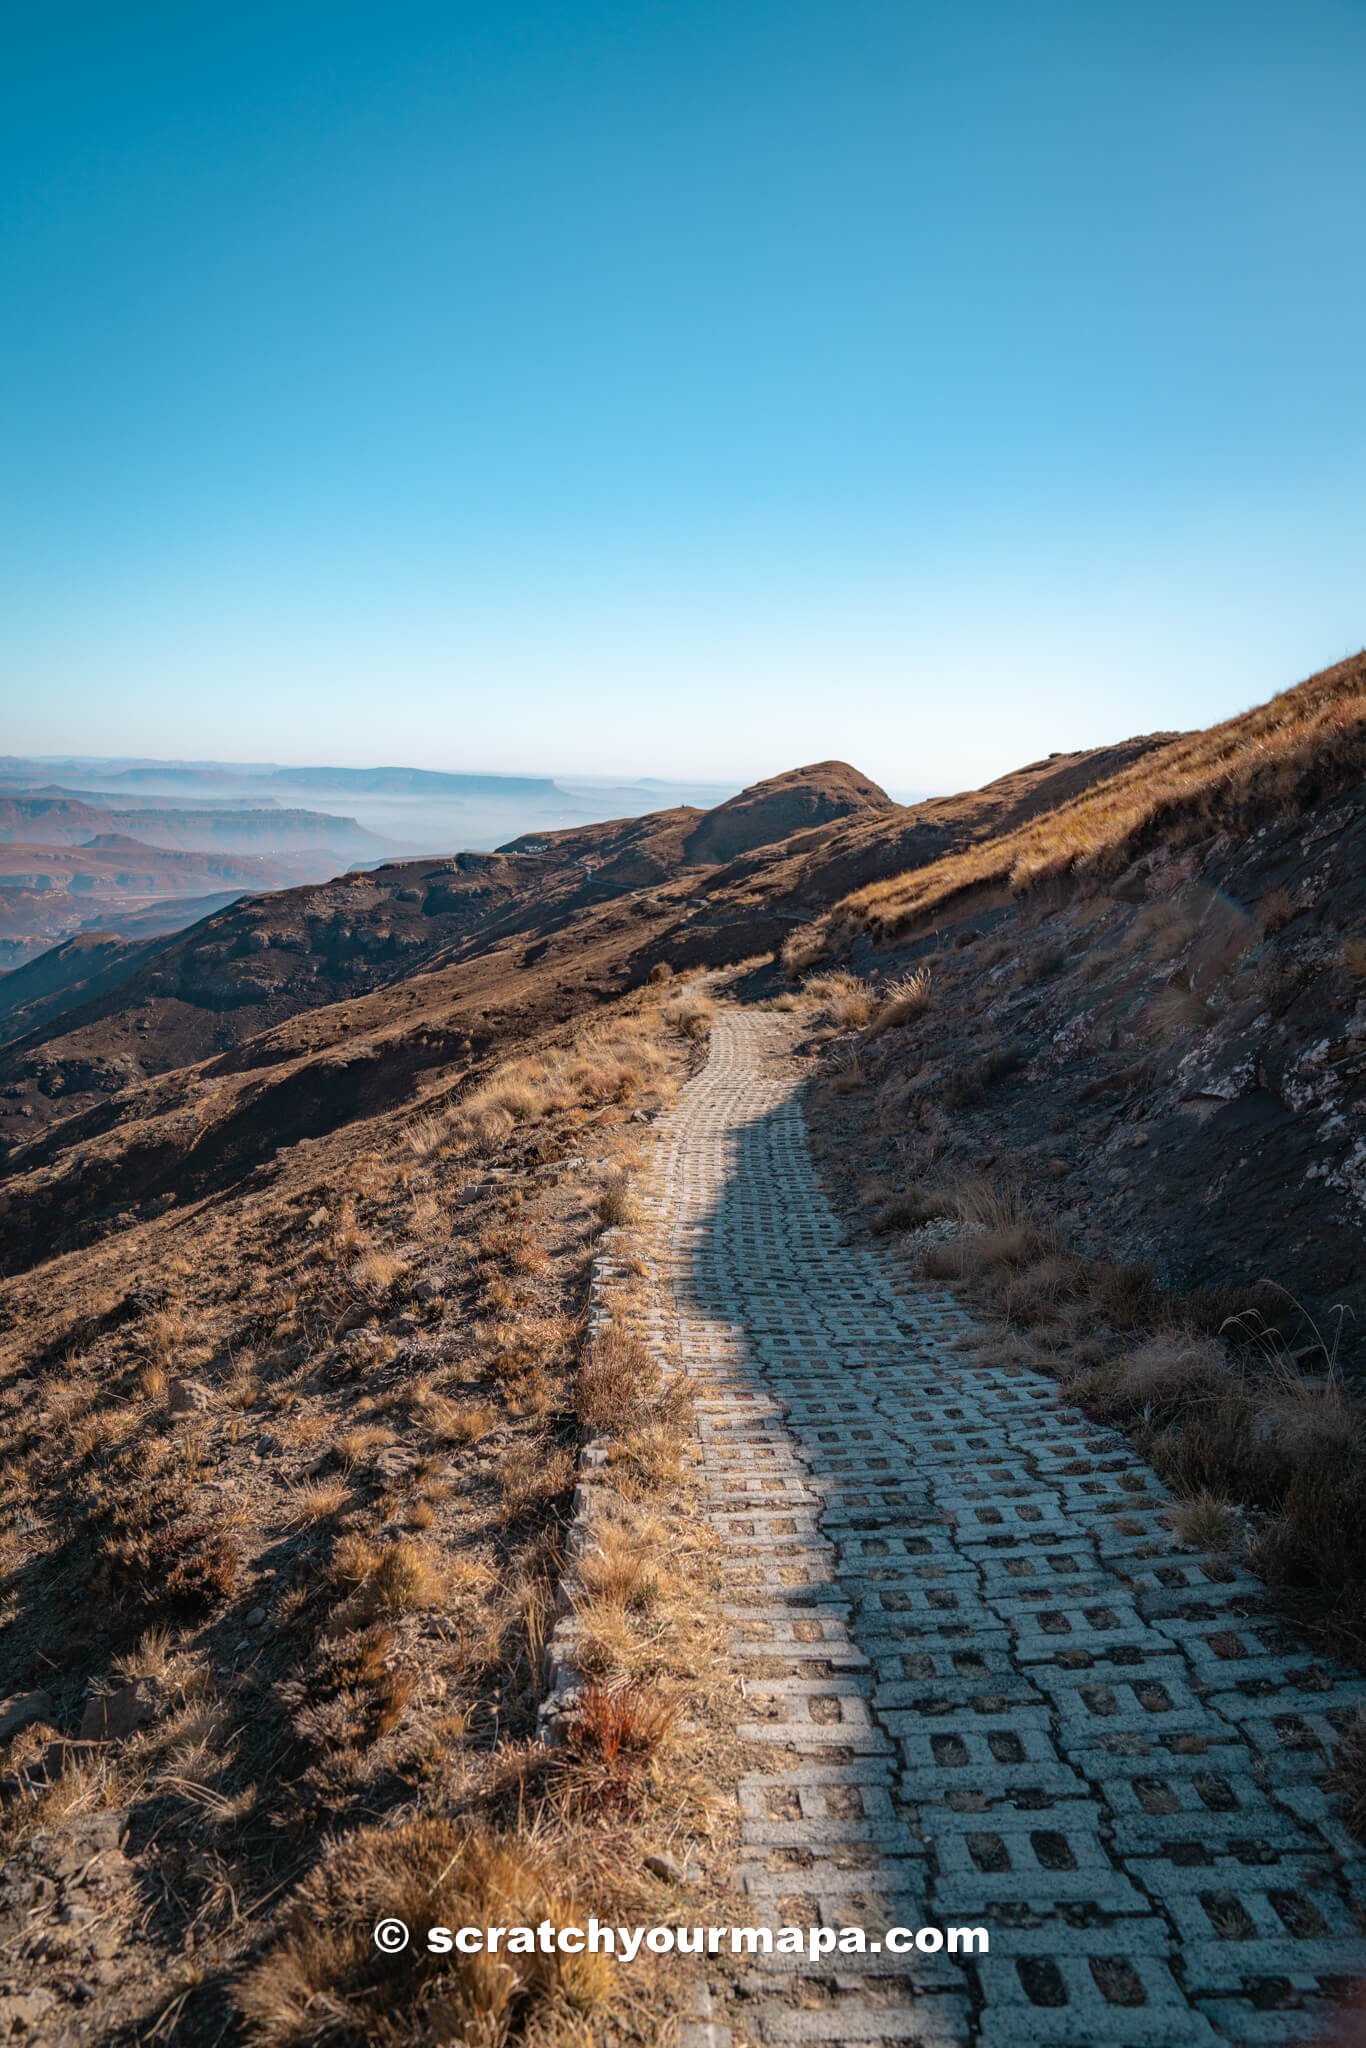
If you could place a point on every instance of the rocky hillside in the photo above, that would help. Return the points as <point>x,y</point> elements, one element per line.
<point>48,892</point>
<point>639,889</point>
<point>1147,1006</point>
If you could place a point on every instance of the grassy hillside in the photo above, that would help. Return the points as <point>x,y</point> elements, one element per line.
<point>1278,761</point>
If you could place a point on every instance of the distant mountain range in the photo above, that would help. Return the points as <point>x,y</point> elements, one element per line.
<point>149,845</point>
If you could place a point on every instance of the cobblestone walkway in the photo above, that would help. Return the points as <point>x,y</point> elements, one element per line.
<point>995,1690</point>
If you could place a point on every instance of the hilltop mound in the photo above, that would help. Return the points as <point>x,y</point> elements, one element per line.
<point>775,809</point>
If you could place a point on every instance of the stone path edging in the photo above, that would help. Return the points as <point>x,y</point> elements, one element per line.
<point>563,1679</point>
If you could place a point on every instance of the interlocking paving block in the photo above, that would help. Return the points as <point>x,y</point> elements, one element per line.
<point>1307,2019</point>
<point>935,2022</point>
<point>1012,1698</point>
<point>1098,1985</point>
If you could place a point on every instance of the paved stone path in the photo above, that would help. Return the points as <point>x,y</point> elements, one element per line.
<point>995,1689</point>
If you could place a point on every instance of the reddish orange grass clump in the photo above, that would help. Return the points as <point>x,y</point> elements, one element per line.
<point>614,1742</point>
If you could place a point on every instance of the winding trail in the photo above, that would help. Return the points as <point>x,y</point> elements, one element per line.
<point>995,1690</point>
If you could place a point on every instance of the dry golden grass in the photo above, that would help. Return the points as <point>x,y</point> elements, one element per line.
<point>295,1306</point>
<point>608,1062</point>
<point>481,1129</point>
<point>459,1422</point>
<point>321,1983</point>
<point>1206,1522</point>
<point>377,1273</point>
<point>1266,762</point>
<point>904,999</point>
<point>616,1205</point>
<point>428,1136</point>
<point>620,1566</point>
<point>166,1331</point>
<point>384,1579</point>
<point>842,1000</point>
<point>357,1446</point>
<point>533,1473</point>
<point>1167,1376</point>
<point>620,1388</point>
<point>692,1015</point>
<point>318,1500</point>
<point>1177,1012</point>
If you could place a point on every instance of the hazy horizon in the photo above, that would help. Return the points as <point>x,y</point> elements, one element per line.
<point>73,762</point>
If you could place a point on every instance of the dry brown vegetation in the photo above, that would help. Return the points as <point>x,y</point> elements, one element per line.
<point>324,1982</point>
<point>843,1001</point>
<point>692,1014</point>
<point>1278,759</point>
<point>285,1480</point>
<point>905,998</point>
<point>1144,1010</point>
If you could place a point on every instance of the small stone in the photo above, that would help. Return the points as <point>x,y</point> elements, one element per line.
<point>114,1716</point>
<point>665,1867</point>
<point>255,1617</point>
<point>393,1462</point>
<point>21,2012</point>
<point>22,1709</point>
<point>189,1397</point>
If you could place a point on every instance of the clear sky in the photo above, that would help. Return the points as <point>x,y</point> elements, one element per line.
<point>691,388</point>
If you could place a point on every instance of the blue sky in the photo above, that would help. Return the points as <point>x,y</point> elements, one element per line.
<point>675,388</point>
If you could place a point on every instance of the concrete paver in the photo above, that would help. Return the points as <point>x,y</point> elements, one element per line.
<point>996,1689</point>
